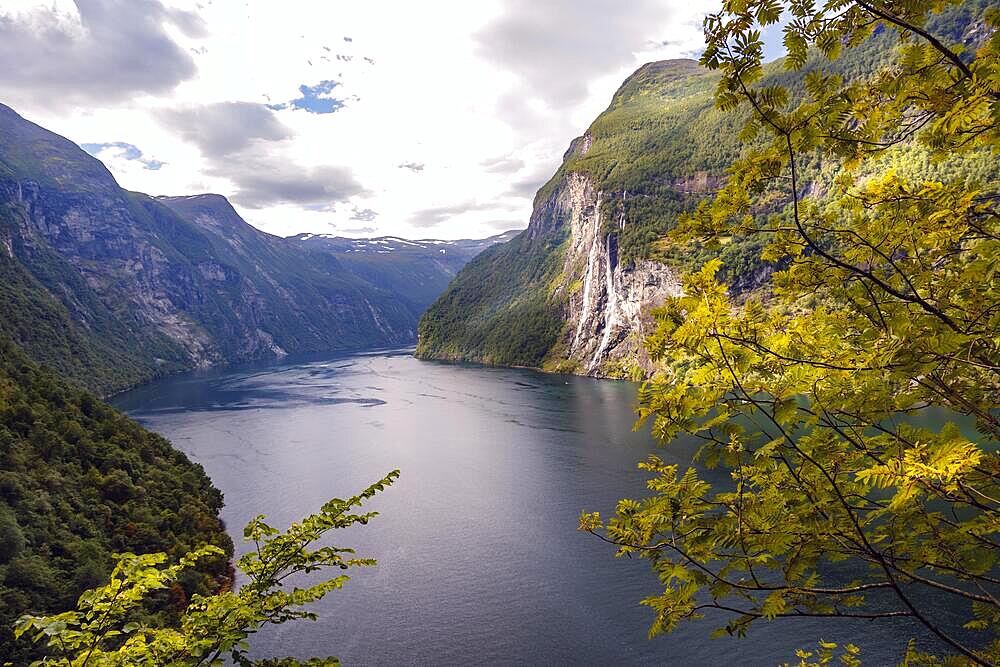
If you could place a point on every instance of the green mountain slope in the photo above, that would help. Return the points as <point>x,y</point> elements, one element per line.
<point>80,481</point>
<point>297,301</point>
<point>629,175</point>
<point>98,352</point>
<point>498,309</point>
<point>573,292</point>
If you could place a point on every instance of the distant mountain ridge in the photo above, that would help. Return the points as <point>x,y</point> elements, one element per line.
<point>111,288</point>
<point>417,270</point>
<point>465,248</point>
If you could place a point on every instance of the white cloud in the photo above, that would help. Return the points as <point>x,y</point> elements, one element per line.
<point>224,128</point>
<point>442,116</point>
<point>264,180</point>
<point>97,52</point>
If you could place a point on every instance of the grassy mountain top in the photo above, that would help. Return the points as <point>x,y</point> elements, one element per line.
<point>30,152</point>
<point>659,144</point>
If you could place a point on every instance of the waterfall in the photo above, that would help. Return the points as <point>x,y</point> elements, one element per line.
<point>610,308</point>
<point>621,219</point>
<point>588,280</point>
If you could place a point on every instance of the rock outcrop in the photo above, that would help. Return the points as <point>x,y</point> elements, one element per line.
<point>607,304</point>
<point>575,291</point>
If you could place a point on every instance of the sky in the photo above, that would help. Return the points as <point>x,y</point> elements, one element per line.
<point>434,119</point>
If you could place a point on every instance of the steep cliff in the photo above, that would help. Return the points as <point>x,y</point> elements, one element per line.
<point>286,299</point>
<point>111,287</point>
<point>573,293</point>
<point>607,303</point>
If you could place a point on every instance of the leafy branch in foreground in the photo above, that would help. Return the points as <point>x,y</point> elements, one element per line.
<point>825,654</point>
<point>108,626</point>
<point>842,503</point>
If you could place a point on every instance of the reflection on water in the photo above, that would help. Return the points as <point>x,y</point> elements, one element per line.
<point>479,557</point>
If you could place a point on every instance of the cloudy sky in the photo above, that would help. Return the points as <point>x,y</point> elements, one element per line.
<point>422,119</point>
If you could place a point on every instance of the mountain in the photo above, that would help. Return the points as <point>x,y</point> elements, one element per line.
<point>417,270</point>
<point>287,300</point>
<point>111,288</point>
<point>574,291</point>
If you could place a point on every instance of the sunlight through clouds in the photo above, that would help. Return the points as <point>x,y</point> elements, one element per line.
<point>444,116</point>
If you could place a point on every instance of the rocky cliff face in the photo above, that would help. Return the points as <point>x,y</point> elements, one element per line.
<point>114,287</point>
<point>575,291</point>
<point>96,235</point>
<point>559,296</point>
<point>607,304</point>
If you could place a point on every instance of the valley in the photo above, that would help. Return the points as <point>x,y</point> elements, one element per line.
<point>728,394</point>
<point>114,288</point>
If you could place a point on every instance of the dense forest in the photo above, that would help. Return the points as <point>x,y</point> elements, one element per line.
<point>79,482</point>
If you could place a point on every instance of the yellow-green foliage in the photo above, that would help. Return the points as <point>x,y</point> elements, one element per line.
<point>556,365</point>
<point>828,653</point>
<point>622,369</point>
<point>816,412</point>
<point>108,627</point>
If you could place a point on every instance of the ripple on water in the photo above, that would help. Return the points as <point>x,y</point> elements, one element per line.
<point>479,558</point>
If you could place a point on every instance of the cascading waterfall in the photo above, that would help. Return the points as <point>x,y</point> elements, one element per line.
<point>611,314</point>
<point>621,218</point>
<point>588,280</point>
<point>606,313</point>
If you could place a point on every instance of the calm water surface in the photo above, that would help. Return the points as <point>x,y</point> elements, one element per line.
<point>479,558</point>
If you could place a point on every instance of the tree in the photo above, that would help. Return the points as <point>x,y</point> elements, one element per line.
<point>109,627</point>
<point>887,304</point>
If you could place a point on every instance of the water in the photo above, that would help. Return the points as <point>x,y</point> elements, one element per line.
<point>479,557</point>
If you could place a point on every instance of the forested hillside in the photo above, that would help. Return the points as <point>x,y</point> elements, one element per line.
<point>571,292</point>
<point>101,352</point>
<point>79,482</point>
